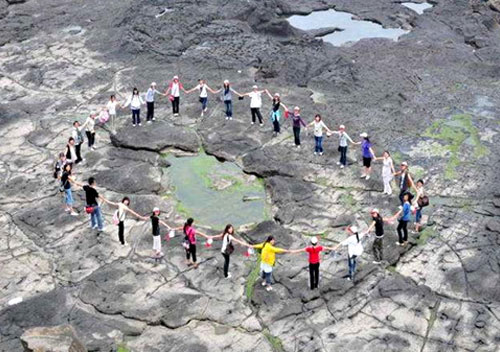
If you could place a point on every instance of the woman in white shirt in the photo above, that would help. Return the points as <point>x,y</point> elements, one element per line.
<point>387,172</point>
<point>90,130</point>
<point>319,126</point>
<point>111,107</point>
<point>121,214</point>
<point>204,89</point>
<point>227,247</point>
<point>135,101</point>
<point>255,103</point>
<point>354,249</point>
<point>174,92</point>
<point>343,139</point>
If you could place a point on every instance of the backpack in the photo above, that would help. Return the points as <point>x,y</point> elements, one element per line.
<point>229,247</point>
<point>423,201</point>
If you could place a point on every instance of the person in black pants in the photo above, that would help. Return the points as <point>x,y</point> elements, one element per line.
<point>405,218</point>
<point>120,215</point>
<point>314,259</point>
<point>227,247</point>
<point>378,243</point>
<point>78,137</point>
<point>190,239</point>
<point>405,181</point>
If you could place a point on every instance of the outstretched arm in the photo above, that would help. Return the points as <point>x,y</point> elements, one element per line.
<point>135,214</point>
<point>211,90</point>
<point>165,224</point>
<point>294,251</point>
<point>235,92</point>
<point>268,94</point>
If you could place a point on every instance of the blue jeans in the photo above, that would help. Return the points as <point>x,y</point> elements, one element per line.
<point>68,196</point>
<point>418,216</point>
<point>352,266</point>
<point>318,148</point>
<point>267,276</point>
<point>136,116</point>
<point>204,103</point>
<point>96,218</point>
<point>229,108</point>
<point>343,155</point>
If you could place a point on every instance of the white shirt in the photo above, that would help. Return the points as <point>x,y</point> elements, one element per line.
<point>343,138</point>
<point>175,89</point>
<point>72,153</point>
<point>111,106</point>
<point>203,90</point>
<point>255,100</point>
<point>121,211</point>
<point>135,102</point>
<point>76,134</point>
<point>387,168</point>
<point>318,128</point>
<point>353,246</point>
<point>90,124</point>
<point>225,241</point>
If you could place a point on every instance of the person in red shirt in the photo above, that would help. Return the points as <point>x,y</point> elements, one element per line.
<point>314,249</point>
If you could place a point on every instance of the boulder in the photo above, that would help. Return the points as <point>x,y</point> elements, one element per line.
<point>494,5</point>
<point>60,338</point>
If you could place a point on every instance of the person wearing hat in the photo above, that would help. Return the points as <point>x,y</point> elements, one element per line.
<point>150,102</point>
<point>174,92</point>
<point>203,88</point>
<point>227,98</point>
<point>404,219</point>
<point>255,103</point>
<point>268,259</point>
<point>296,122</point>
<point>405,180</point>
<point>343,139</point>
<point>275,115</point>
<point>354,249</point>
<point>368,154</point>
<point>314,251</point>
<point>378,225</point>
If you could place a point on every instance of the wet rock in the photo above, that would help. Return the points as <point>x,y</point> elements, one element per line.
<point>60,338</point>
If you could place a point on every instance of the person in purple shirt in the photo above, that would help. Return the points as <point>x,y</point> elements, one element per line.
<point>296,122</point>
<point>368,155</point>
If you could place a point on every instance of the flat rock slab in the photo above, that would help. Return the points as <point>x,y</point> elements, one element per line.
<point>60,338</point>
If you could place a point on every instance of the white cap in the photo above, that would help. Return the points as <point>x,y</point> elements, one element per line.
<point>364,135</point>
<point>153,84</point>
<point>255,87</point>
<point>353,228</point>
<point>375,210</point>
<point>314,240</point>
<point>342,127</point>
<point>226,81</point>
<point>404,163</point>
<point>176,77</point>
<point>155,209</point>
<point>296,108</point>
<point>276,94</point>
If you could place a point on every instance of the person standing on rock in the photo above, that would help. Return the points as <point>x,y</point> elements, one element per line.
<point>111,106</point>
<point>135,101</point>
<point>343,139</point>
<point>59,166</point>
<point>227,246</point>
<point>155,225</point>
<point>368,154</point>
<point>121,214</point>
<point>77,135</point>
<point>66,181</point>
<point>190,241</point>
<point>296,122</point>
<point>314,251</point>
<point>354,249</point>
<point>404,215</point>
<point>267,260</point>
<point>387,172</point>
<point>150,102</point>
<point>275,115</point>
<point>89,126</point>
<point>70,151</point>
<point>319,126</point>
<point>378,243</point>
<point>174,88</point>
<point>92,197</point>
<point>405,180</point>
<point>203,88</point>
<point>227,98</point>
<point>255,103</point>
<point>421,201</point>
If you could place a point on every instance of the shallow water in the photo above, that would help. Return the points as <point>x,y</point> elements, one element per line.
<point>353,30</point>
<point>212,192</point>
<point>418,8</point>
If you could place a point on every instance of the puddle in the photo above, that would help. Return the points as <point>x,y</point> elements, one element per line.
<point>216,193</point>
<point>352,30</point>
<point>418,8</point>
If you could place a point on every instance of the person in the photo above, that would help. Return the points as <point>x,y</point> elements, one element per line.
<point>343,139</point>
<point>354,249</point>
<point>70,151</point>
<point>77,135</point>
<point>319,126</point>
<point>190,239</point>
<point>135,101</point>
<point>296,122</point>
<point>66,181</point>
<point>405,180</point>
<point>255,103</point>
<point>368,154</point>
<point>59,166</point>
<point>89,126</point>
<point>121,214</point>
<point>227,98</point>
<point>111,106</point>
<point>417,205</point>
<point>267,259</point>
<point>174,88</point>
<point>314,251</point>
<point>387,171</point>
<point>204,89</point>
<point>155,225</point>
<point>150,102</point>
<point>275,115</point>
<point>404,219</point>
<point>378,243</point>
<point>227,247</point>
<point>92,197</point>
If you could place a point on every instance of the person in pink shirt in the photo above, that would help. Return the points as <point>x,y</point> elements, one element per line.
<point>190,241</point>
<point>174,92</point>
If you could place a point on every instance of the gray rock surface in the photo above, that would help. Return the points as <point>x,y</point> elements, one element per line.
<point>430,98</point>
<point>60,338</point>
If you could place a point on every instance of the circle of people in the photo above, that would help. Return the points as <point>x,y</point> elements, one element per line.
<point>409,204</point>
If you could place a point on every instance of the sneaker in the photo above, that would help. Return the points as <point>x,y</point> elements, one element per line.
<point>399,244</point>
<point>154,119</point>
<point>261,124</point>
<point>315,153</point>
<point>298,147</point>
<point>93,147</point>
<point>67,210</point>
<point>227,118</point>
<point>264,283</point>
<point>269,288</point>
<point>376,262</point>
<point>229,276</point>
<point>140,124</point>
<point>230,118</point>
<point>321,153</point>
<point>205,110</point>
<point>367,177</point>
<point>176,114</point>
<point>161,254</point>
<point>150,121</point>
<point>94,227</point>
<point>341,166</point>
<point>73,213</point>
<point>202,114</point>
<point>338,162</point>
<point>133,124</point>
<point>348,278</point>
<point>253,123</point>
<point>362,176</point>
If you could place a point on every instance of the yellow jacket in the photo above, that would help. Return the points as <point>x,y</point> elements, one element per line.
<point>268,255</point>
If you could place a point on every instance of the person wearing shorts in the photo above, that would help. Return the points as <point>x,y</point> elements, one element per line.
<point>368,154</point>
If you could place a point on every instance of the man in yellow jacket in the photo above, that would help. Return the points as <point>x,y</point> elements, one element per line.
<point>267,259</point>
